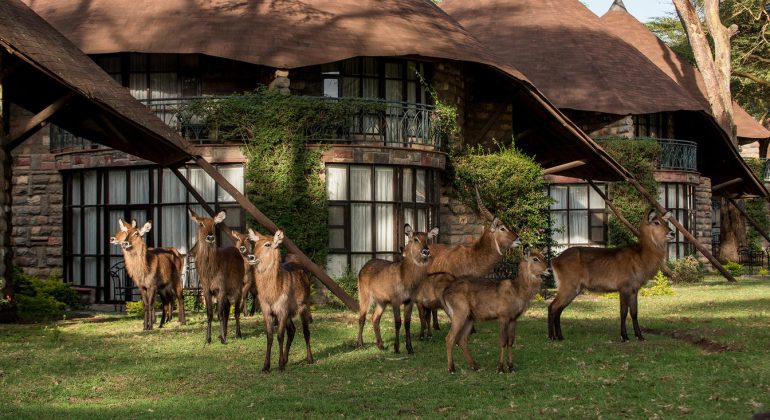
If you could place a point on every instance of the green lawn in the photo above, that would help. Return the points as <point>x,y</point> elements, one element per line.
<point>708,358</point>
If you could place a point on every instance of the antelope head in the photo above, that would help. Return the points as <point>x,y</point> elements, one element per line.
<point>206,226</point>
<point>657,228</point>
<point>266,252</point>
<point>417,244</point>
<point>534,263</point>
<point>129,236</point>
<point>504,237</point>
<point>243,244</point>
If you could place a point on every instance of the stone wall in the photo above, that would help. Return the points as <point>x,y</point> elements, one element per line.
<point>703,217</point>
<point>458,224</point>
<point>597,124</point>
<point>449,83</point>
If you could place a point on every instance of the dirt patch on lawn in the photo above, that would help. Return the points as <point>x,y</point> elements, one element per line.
<point>705,344</point>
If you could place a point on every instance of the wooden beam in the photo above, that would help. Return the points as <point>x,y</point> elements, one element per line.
<point>663,267</point>
<point>269,225</point>
<point>491,122</point>
<point>564,167</point>
<point>751,221</point>
<point>35,123</point>
<point>228,231</point>
<point>726,184</point>
<point>681,229</point>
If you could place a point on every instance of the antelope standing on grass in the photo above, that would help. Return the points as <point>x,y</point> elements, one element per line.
<point>221,272</point>
<point>476,260</point>
<point>473,298</point>
<point>153,270</point>
<point>242,243</point>
<point>623,270</point>
<point>284,292</point>
<point>383,282</point>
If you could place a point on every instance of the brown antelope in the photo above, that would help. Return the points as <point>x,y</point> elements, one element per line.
<point>221,275</point>
<point>154,270</point>
<point>475,260</point>
<point>474,298</point>
<point>383,282</point>
<point>242,243</point>
<point>284,292</point>
<point>622,270</point>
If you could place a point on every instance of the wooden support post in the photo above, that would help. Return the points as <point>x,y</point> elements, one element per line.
<point>228,231</point>
<point>726,184</point>
<point>269,225</point>
<point>751,221</point>
<point>681,229</point>
<point>35,123</point>
<point>563,167</point>
<point>664,268</point>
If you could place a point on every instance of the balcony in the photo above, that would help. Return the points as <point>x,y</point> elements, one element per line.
<point>765,169</point>
<point>678,155</point>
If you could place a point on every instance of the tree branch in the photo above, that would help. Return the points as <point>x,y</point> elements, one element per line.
<point>752,78</point>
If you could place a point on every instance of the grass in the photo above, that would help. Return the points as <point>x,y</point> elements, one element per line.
<point>708,358</point>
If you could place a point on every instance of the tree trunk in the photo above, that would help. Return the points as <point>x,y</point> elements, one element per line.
<point>732,233</point>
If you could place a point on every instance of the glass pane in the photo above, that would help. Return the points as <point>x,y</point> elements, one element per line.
<point>332,88</point>
<point>173,190</point>
<point>393,90</point>
<point>77,274</point>
<point>384,178</point>
<point>559,228</point>
<point>113,229</point>
<point>137,85</point>
<point>234,175</point>
<point>661,194</point>
<point>117,187</point>
<point>164,86</point>
<point>336,182</point>
<point>336,215</point>
<point>420,190</point>
<point>371,88</point>
<point>336,265</point>
<point>408,217</point>
<point>358,261</point>
<point>337,238</point>
<point>91,271</point>
<point>90,234</point>
<point>407,185</point>
<point>90,186</point>
<point>578,197</point>
<point>385,225</point>
<point>202,183</point>
<point>361,227</point>
<point>595,200</point>
<point>387,257</point>
<point>351,87</point>
<point>360,183</point>
<point>330,68</point>
<point>174,227</point>
<point>75,188</point>
<point>559,194</point>
<point>370,66</point>
<point>682,203</point>
<point>351,66</point>
<point>393,70</point>
<point>140,186</point>
<point>77,230</point>
<point>422,220</point>
<point>578,227</point>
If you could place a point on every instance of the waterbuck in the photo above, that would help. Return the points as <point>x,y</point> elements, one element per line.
<point>623,270</point>
<point>154,270</point>
<point>473,298</point>
<point>284,292</point>
<point>242,243</point>
<point>221,272</point>
<point>476,260</point>
<point>383,282</point>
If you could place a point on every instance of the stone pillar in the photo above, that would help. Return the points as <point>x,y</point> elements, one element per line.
<point>458,224</point>
<point>450,88</point>
<point>702,230</point>
<point>281,82</point>
<point>6,269</point>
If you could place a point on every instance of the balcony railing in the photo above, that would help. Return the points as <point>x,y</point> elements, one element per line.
<point>678,155</point>
<point>765,169</point>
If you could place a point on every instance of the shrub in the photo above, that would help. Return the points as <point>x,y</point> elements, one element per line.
<point>659,287</point>
<point>686,270</point>
<point>39,307</point>
<point>764,272</point>
<point>349,283</point>
<point>734,268</point>
<point>39,299</point>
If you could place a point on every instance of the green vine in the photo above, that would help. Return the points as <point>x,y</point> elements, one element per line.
<point>444,115</point>
<point>640,156</point>
<point>756,208</point>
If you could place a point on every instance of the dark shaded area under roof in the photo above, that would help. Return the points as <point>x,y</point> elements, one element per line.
<point>51,67</point>
<point>618,21</point>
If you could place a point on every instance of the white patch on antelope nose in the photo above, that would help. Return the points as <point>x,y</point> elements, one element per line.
<point>210,239</point>
<point>242,249</point>
<point>125,245</point>
<point>252,260</point>
<point>425,252</point>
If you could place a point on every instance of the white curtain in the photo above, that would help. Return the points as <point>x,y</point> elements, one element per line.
<point>336,182</point>
<point>361,227</point>
<point>578,227</point>
<point>202,183</point>
<point>384,177</point>
<point>578,197</point>
<point>407,184</point>
<point>174,227</point>
<point>360,183</point>
<point>336,264</point>
<point>234,175</point>
<point>137,85</point>
<point>559,230</point>
<point>117,194</point>
<point>385,226</point>
<point>173,190</point>
<point>595,200</point>
<point>332,88</point>
<point>421,192</point>
<point>422,220</point>
<point>358,261</point>
<point>559,194</point>
<point>140,186</point>
<point>90,184</point>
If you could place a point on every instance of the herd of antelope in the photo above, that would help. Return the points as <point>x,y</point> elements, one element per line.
<point>433,276</point>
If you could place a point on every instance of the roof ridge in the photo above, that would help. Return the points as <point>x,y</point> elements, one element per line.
<point>618,5</point>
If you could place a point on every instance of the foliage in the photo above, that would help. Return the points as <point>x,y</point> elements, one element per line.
<point>640,157</point>
<point>763,271</point>
<point>734,268</point>
<point>659,287</point>
<point>135,309</point>
<point>511,185</point>
<point>43,299</point>
<point>686,270</point>
<point>757,209</point>
<point>349,283</point>
<point>444,115</point>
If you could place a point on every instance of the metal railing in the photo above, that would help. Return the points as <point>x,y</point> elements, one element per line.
<point>765,169</point>
<point>678,154</point>
<point>61,140</point>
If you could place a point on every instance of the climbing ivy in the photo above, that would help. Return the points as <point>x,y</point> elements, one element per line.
<point>756,208</point>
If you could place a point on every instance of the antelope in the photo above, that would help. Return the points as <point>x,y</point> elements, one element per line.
<point>152,270</point>
<point>284,292</point>
<point>476,260</point>
<point>385,282</point>
<point>476,298</point>
<point>624,270</point>
<point>221,274</point>
<point>242,243</point>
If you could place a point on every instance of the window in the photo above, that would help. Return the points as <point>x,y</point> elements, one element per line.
<point>651,125</point>
<point>680,200</point>
<point>368,207</point>
<point>578,215</point>
<point>95,199</point>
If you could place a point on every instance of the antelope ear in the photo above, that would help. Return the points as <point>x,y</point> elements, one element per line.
<point>544,251</point>
<point>433,233</point>
<point>278,238</point>
<point>496,223</point>
<point>123,226</point>
<point>193,215</point>
<point>527,251</point>
<point>408,231</point>
<point>220,217</point>
<point>667,216</point>
<point>133,223</point>
<point>254,236</point>
<point>146,228</point>
<point>651,216</point>
<point>235,234</point>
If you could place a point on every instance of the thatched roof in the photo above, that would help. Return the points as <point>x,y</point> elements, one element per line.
<point>618,21</point>
<point>51,67</point>
<point>560,46</point>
